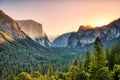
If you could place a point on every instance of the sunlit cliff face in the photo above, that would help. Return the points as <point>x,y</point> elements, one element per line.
<point>32,28</point>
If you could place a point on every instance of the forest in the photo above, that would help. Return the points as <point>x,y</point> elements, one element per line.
<point>101,64</point>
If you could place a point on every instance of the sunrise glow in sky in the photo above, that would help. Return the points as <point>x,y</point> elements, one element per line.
<point>100,21</point>
<point>61,16</point>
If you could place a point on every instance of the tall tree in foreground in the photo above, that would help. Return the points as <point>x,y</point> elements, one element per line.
<point>98,62</point>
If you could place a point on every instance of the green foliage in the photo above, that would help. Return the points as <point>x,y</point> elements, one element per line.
<point>114,56</point>
<point>14,59</point>
<point>87,60</point>
<point>50,72</point>
<point>80,70</point>
<point>98,47</point>
<point>59,75</point>
<point>98,60</point>
<point>82,75</point>
<point>101,65</point>
<point>24,76</point>
<point>103,74</point>
<point>116,72</point>
<point>75,62</point>
<point>36,74</point>
<point>72,73</point>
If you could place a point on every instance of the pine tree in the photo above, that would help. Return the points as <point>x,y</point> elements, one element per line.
<point>75,62</point>
<point>50,71</point>
<point>116,72</point>
<point>98,60</point>
<point>87,60</point>
<point>24,76</point>
<point>108,57</point>
<point>114,56</point>
<point>36,74</point>
<point>72,73</point>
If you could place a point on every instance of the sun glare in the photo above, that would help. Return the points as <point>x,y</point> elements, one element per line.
<point>100,22</point>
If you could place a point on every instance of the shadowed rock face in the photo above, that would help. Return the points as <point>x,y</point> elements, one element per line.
<point>34,30</point>
<point>61,41</point>
<point>86,35</point>
<point>83,37</point>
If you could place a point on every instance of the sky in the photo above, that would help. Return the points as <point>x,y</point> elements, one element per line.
<point>62,16</point>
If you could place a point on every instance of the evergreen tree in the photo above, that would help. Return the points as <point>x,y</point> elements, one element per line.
<point>115,56</point>
<point>87,60</point>
<point>80,66</point>
<point>36,74</point>
<point>59,75</point>
<point>72,73</point>
<point>24,76</point>
<point>98,60</point>
<point>50,71</point>
<point>75,62</point>
<point>107,51</point>
<point>103,74</point>
<point>82,75</point>
<point>116,72</point>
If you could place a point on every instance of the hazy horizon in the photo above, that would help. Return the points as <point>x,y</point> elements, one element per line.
<point>62,16</point>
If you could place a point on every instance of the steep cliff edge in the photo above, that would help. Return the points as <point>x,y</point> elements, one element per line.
<point>11,33</point>
<point>34,30</point>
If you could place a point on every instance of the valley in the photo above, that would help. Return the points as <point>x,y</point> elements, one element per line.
<point>27,54</point>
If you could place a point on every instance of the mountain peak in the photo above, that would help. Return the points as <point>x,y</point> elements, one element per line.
<point>34,30</point>
<point>85,27</point>
<point>9,26</point>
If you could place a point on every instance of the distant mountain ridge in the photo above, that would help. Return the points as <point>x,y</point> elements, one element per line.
<point>30,31</point>
<point>61,41</point>
<point>34,30</point>
<point>86,36</point>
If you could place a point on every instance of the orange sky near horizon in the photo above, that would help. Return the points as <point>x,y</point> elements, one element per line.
<point>62,16</point>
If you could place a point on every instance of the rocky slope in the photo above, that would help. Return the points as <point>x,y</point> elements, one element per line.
<point>61,41</point>
<point>34,30</point>
<point>10,33</point>
<point>86,35</point>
